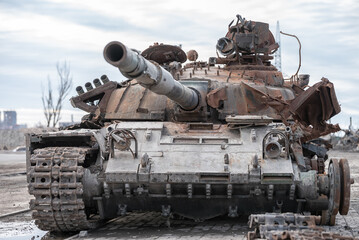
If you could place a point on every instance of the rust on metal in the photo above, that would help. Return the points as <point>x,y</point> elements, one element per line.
<point>101,94</point>
<point>216,96</point>
<point>162,53</point>
<point>345,186</point>
<point>316,105</point>
<point>192,55</point>
<point>289,226</point>
<point>335,191</point>
<point>311,109</point>
<point>133,102</point>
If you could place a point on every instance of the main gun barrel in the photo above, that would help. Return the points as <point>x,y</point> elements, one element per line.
<point>149,75</point>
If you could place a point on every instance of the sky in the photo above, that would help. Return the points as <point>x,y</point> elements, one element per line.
<point>36,34</point>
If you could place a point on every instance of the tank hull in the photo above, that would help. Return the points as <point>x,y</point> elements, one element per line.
<point>196,171</point>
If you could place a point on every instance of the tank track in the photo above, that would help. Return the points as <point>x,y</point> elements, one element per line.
<point>289,226</point>
<point>55,177</point>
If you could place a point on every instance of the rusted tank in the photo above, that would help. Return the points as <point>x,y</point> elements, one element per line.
<point>228,136</point>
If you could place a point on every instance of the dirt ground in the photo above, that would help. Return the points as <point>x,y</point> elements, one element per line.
<point>15,197</point>
<point>13,186</point>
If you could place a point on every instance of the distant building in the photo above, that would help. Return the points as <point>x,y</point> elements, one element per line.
<point>10,120</point>
<point>66,124</point>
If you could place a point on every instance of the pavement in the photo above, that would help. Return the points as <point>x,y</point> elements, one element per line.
<point>13,185</point>
<point>10,158</point>
<point>153,226</point>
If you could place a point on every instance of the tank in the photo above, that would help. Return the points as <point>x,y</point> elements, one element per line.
<point>197,139</point>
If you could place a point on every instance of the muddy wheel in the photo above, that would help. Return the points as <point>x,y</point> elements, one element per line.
<point>334,193</point>
<point>345,186</point>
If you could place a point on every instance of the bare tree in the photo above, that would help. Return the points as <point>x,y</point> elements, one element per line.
<point>52,107</point>
<point>47,102</point>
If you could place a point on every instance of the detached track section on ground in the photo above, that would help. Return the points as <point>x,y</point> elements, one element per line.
<point>55,181</point>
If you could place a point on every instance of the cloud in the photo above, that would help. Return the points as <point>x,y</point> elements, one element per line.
<point>35,34</point>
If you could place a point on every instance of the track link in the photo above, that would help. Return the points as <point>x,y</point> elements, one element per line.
<point>55,179</point>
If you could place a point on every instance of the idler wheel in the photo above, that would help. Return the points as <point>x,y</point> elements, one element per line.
<point>334,193</point>
<point>345,186</point>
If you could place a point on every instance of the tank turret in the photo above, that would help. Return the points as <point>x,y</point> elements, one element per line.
<point>149,75</point>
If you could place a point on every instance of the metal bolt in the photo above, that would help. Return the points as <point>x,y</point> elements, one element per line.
<point>255,161</point>
<point>226,158</point>
<point>253,135</point>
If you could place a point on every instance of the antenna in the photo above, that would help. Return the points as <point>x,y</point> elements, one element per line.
<point>278,55</point>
